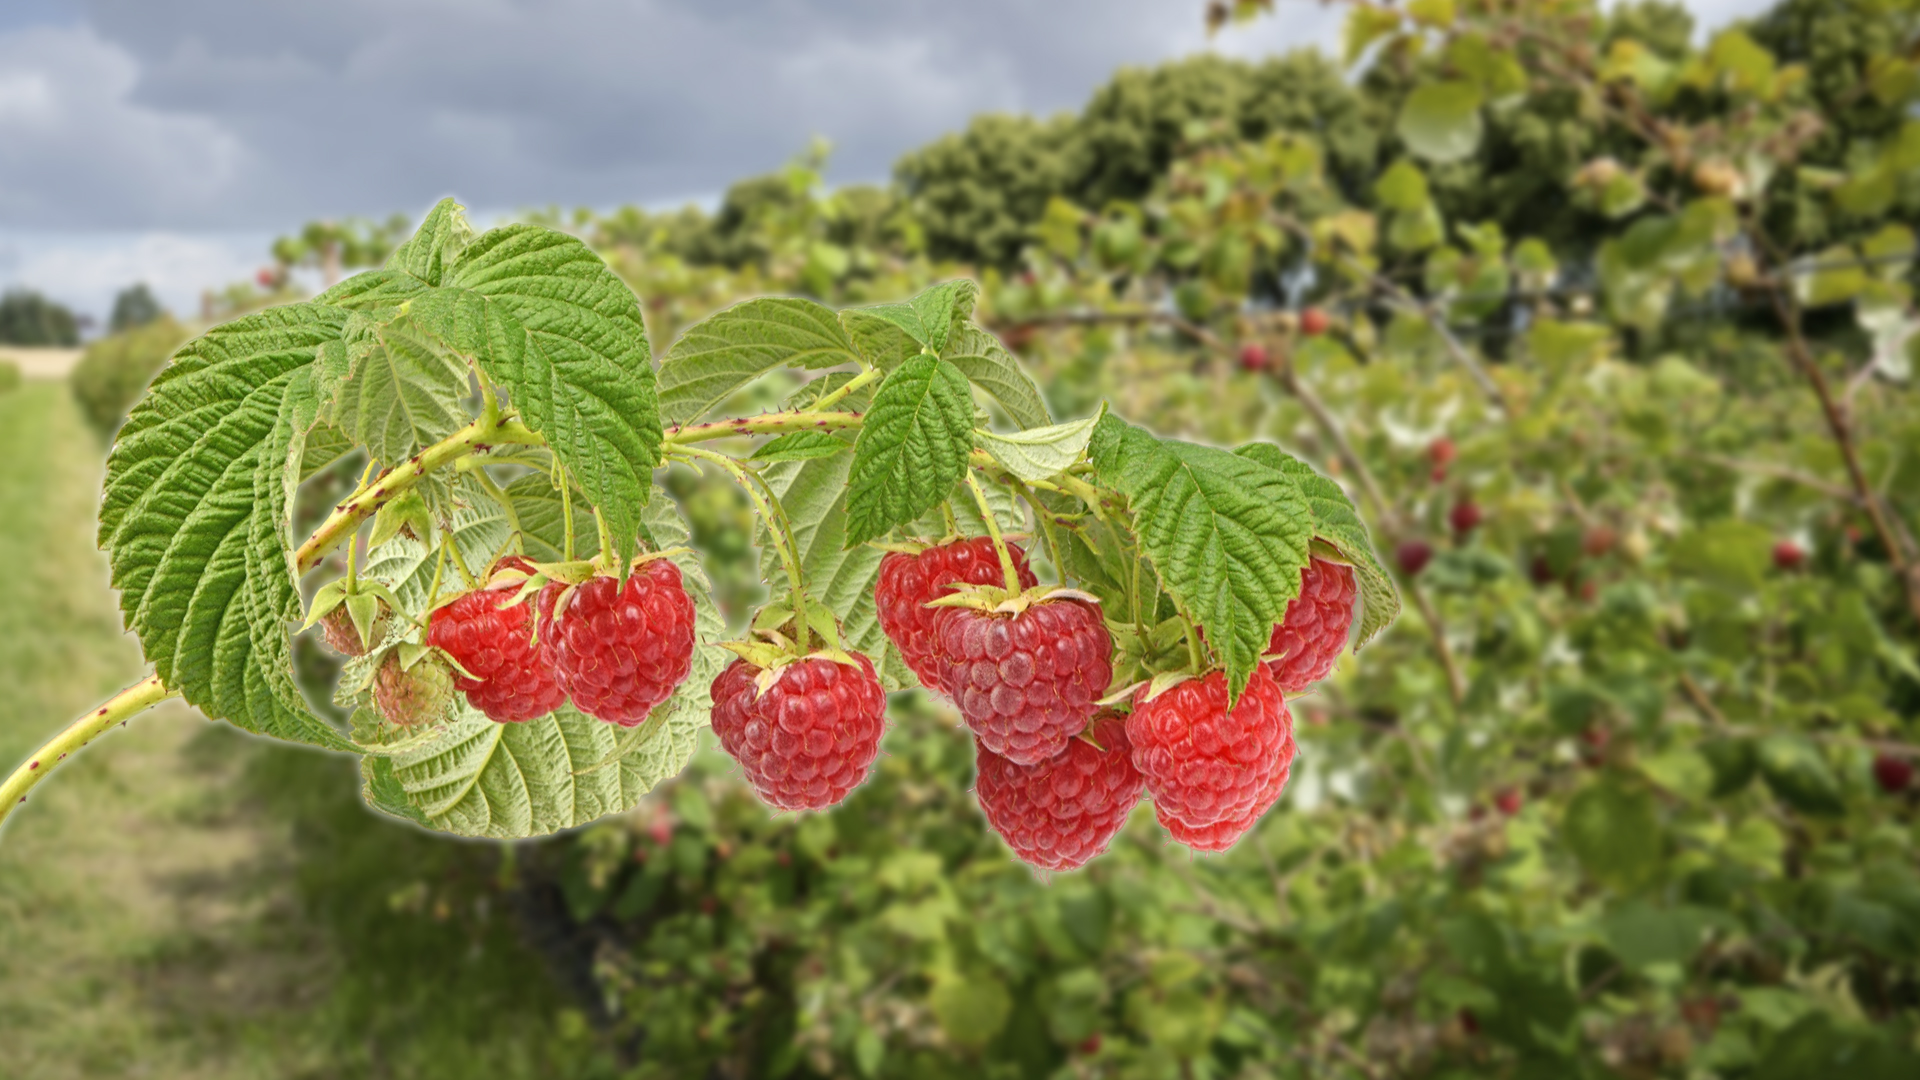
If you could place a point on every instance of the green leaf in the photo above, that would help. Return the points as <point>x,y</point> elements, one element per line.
<point>912,448</point>
<point>478,524</point>
<point>1614,830</point>
<point>838,575</point>
<point>402,389</point>
<point>188,517</point>
<point>971,1009</point>
<point>1402,187</point>
<point>1440,121</point>
<point>718,356</point>
<point>564,335</point>
<point>880,341</point>
<point>1227,535</point>
<point>543,530</point>
<point>801,446</point>
<point>929,317</point>
<point>1797,773</point>
<point>1642,935</point>
<point>435,245</point>
<point>987,363</point>
<point>1039,453</point>
<point>1337,522</point>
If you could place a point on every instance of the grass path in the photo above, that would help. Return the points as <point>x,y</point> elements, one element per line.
<point>110,865</point>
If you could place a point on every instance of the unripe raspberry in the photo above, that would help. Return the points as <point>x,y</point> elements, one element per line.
<point>337,628</point>
<point>907,582</point>
<point>810,737</point>
<point>619,651</point>
<point>1305,645</point>
<point>1025,683</point>
<point>421,694</point>
<point>513,677</point>
<point>1205,765</point>
<point>1063,811</point>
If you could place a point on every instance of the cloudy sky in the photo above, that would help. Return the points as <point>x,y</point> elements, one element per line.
<point>170,140</point>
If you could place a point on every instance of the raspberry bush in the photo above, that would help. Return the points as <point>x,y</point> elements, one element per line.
<point>529,640</point>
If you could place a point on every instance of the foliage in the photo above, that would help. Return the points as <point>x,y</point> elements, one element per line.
<point>115,370</point>
<point>27,318</point>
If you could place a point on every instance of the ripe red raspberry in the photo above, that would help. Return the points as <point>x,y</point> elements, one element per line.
<point>1413,556</point>
<point>1253,357</point>
<point>513,673</point>
<point>809,738</point>
<point>1465,517</point>
<point>1025,683</point>
<point>1509,801</point>
<point>907,582</point>
<point>420,694</point>
<point>1308,641</point>
<point>1789,556</point>
<point>618,652</point>
<point>1222,835</point>
<point>1062,812</point>
<point>1205,765</point>
<point>1314,322</point>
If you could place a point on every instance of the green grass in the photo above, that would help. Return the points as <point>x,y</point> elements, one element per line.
<point>185,901</point>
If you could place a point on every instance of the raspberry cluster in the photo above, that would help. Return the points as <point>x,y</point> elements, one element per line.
<point>907,582</point>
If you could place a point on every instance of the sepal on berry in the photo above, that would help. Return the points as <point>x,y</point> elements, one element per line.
<point>996,599</point>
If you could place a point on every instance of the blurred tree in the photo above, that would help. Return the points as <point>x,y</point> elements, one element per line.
<point>28,318</point>
<point>134,306</point>
<point>334,246</point>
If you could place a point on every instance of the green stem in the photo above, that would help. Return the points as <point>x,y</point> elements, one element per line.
<point>137,698</point>
<point>768,506</point>
<point>841,394</point>
<point>607,550</point>
<point>348,516</point>
<point>993,531</point>
<point>566,505</point>
<point>1045,518</point>
<point>946,513</point>
<point>450,547</point>
<point>506,504</point>
<point>353,565</point>
<point>764,424</point>
<point>433,590</point>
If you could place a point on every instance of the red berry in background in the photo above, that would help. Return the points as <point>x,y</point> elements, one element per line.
<point>267,277</point>
<point>1441,452</point>
<point>1205,765</point>
<point>1314,322</point>
<point>513,673</point>
<point>1789,556</point>
<point>421,694</point>
<point>1508,801</point>
<point>810,737</point>
<point>1893,774</point>
<point>1413,556</point>
<point>619,651</point>
<point>1598,540</point>
<point>1253,357</point>
<point>1465,516</point>
<point>1090,1044</point>
<point>1025,683</point>
<point>907,582</point>
<point>1541,570</point>
<point>1063,811</point>
<point>1308,641</point>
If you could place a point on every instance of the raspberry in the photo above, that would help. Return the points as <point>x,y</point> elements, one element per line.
<point>1205,765</point>
<point>1892,774</point>
<point>907,582</point>
<point>808,739</point>
<point>1058,814</point>
<point>420,694</point>
<point>513,676</point>
<point>1025,683</point>
<point>617,651</point>
<point>337,628</point>
<point>1308,641</point>
<point>1222,835</point>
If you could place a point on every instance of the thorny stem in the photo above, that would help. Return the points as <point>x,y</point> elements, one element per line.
<point>137,698</point>
<point>764,424</point>
<point>775,517</point>
<point>348,516</point>
<point>993,531</point>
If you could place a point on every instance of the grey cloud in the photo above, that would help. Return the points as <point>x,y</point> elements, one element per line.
<point>231,113</point>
